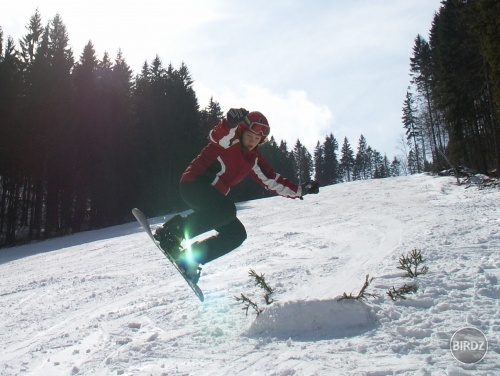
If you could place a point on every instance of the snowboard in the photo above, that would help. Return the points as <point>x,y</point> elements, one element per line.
<point>141,218</point>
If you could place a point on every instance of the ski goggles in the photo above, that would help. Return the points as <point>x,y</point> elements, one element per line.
<point>258,128</point>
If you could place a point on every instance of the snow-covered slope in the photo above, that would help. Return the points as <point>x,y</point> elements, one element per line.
<point>108,303</point>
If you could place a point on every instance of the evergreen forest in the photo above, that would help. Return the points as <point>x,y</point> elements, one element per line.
<point>83,139</point>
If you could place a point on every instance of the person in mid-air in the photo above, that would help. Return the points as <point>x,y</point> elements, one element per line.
<point>231,154</point>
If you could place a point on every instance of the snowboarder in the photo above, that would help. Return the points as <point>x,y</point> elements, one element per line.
<point>231,154</point>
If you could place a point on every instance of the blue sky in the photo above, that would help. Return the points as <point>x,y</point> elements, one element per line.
<point>312,67</point>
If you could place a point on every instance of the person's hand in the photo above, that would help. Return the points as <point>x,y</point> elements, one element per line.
<point>235,116</point>
<point>311,187</point>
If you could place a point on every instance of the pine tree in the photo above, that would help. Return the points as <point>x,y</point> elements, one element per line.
<point>34,124</point>
<point>395,168</point>
<point>410,124</point>
<point>361,163</point>
<point>370,162</point>
<point>412,162</point>
<point>88,161</point>
<point>303,162</point>
<point>29,43</point>
<point>378,163</point>
<point>53,122</point>
<point>169,119</point>
<point>346,160</point>
<point>461,82</point>
<point>210,116</point>
<point>149,100</point>
<point>319,164</point>
<point>57,127</point>
<point>184,119</point>
<point>123,146</point>
<point>421,70</point>
<point>488,31</point>
<point>331,164</point>
<point>385,168</point>
<point>10,146</point>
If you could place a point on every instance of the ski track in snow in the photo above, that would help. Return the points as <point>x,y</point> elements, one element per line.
<point>108,303</point>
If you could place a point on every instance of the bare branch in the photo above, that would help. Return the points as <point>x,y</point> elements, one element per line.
<point>362,293</point>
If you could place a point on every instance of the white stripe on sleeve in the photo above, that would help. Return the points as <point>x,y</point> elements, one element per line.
<point>272,184</point>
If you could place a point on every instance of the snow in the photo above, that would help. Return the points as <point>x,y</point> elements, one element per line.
<point>108,303</point>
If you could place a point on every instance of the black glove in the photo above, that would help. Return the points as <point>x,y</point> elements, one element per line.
<point>311,187</point>
<point>235,116</point>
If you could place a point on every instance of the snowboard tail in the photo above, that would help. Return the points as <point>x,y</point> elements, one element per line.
<point>141,218</point>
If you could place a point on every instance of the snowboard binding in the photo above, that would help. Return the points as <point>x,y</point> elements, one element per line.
<point>170,235</point>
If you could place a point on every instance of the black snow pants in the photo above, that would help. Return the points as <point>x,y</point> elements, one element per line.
<point>211,211</point>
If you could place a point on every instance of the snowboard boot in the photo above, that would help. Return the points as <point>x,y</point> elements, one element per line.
<point>170,235</point>
<point>191,268</point>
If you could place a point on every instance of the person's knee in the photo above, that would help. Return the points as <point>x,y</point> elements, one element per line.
<point>239,235</point>
<point>229,211</point>
<point>223,214</point>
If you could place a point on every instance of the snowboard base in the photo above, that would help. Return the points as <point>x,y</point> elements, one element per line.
<point>141,218</point>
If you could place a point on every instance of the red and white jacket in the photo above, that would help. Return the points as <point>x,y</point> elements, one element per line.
<point>223,163</point>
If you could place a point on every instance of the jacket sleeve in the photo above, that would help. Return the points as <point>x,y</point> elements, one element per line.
<point>264,174</point>
<point>224,136</point>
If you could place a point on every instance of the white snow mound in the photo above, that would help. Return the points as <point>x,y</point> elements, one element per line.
<point>313,320</point>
